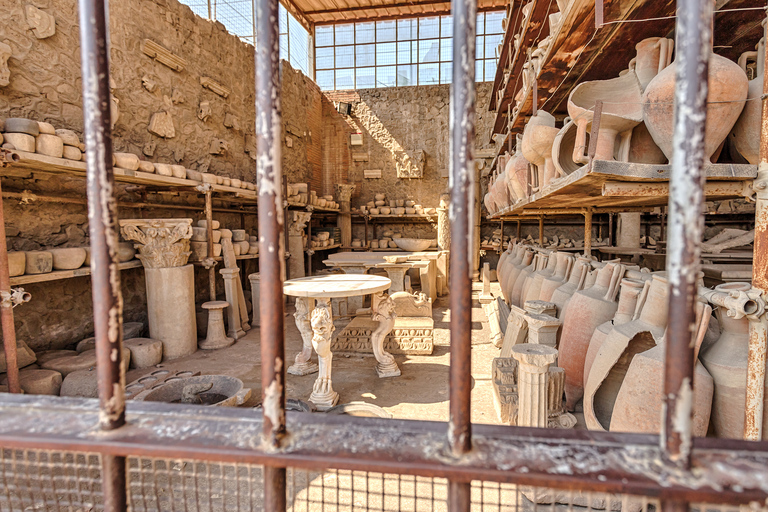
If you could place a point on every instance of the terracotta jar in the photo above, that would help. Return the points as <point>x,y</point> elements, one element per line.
<point>558,278</point>
<point>653,55</point>
<point>538,138</point>
<point>516,189</point>
<point>504,259</point>
<point>514,273</point>
<point>746,132</point>
<point>520,167</point>
<point>533,291</point>
<point>628,297</point>
<point>639,402</point>
<point>728,88</point>
<point>586,310</point>
<point>517,290</point>
<point>575,283</point>
<point>726,361</point>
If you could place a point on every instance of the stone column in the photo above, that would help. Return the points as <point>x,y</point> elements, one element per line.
<point>558,417</point>
<point>533,367</point>
<point>298,221</point>
<point>345,217</point>
<point>163,246</point>
<point>542,329</point>
<point>443,242</point>
<point>628,232</point>
<point>255,280</point>
<point>234,324</point>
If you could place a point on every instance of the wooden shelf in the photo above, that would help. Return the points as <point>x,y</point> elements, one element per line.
<point>65,274</point>
<point>34,162</point>
<point>313,208</point>
<point>584,187</point>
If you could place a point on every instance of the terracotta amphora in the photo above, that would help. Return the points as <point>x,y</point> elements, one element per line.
<point>728,88</point>
<point>628,296</point>
<point>505,258</point>
<point>517,289</point>
<point>516,189</point>
<point>746,132</point>
<point>520,167</point>
<point>558,278</point>
<point>575,282</point>
<point>514,273</point>
<point>587,309</point>
<point>653,55</point>
<point>533,291</point>
<point>726,361</point>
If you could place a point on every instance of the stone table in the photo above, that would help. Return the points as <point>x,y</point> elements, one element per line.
<point>320,290</point>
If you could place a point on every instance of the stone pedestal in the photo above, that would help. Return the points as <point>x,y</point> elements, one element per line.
<point>298,221</point>
<point>302,364</point>
<point>234,323</point>
<point>255,280</point>
<point>533,366</point>
<point>345,217</point>
<point>216,337</point>
<point>396,274</point>
<point>542,329</point>
<point>163,246</point>
<point>628,232</point>
<point>171,309</point>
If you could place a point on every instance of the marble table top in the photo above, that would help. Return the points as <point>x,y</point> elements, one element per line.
<point>336,285</point>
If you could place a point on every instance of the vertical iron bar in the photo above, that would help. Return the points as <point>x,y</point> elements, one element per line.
<point>462,184</point>
<point>519,229</point>
<point>102,220</point>
<point>209,236</point>
<point>756,359</point>
<point>6,311</point>
<point>541,230</point>
<point>686,225</point>
<point>271,242</point>
<point>588,232</point>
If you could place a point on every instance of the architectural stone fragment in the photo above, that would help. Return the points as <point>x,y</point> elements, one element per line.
<point>214,86</point>
<point>161,125</point>
<point>5,72</point>
<point>42,24</point>
<point>533,368</point>
<point>204,111</point>
<point>163,55</point>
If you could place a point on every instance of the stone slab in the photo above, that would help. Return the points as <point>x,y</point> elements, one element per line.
<point>408,336</point>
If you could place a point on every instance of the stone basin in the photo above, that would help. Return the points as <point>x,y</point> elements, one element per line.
<point>413,244</point>
<point>68,258</point>
<point>218,390</point>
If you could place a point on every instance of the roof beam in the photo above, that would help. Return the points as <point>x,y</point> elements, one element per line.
<point>439,11</point>
<point>300,15</point>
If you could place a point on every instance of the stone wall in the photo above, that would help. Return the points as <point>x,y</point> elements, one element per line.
<point>45,85</point>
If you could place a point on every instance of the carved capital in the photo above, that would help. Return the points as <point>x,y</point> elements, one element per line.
<point>298,221</point>
<point>345,192</point>
<point>162,243</point>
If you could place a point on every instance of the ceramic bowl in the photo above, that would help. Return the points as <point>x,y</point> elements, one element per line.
<point>413,244</point>
<point>68,258</point>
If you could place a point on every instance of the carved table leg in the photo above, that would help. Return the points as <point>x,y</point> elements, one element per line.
<point>383,309</point>
<point>323,395</point>
<point>302,364</point>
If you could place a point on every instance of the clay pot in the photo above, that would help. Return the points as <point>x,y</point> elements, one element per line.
<point>125,251</point>
<point>515,189</point>
<point>489,204</point>
<point>563,149</point>
<point>558,278</point>
<point>399,203</point>
<point>517,289</point>
<point>586,311</point>
<point>68,258</point>
<point>385,210</point>
<point>538,139</point>
<point>622,111</point>
<point>728,88</point>
<point>533,291</point>
<point>563,293</point>
<point>653,55</point>
<point>746,132</point>
<point>374,211</point>
<point>520,167</point>
<point>643,149</point>
<point>609,371</point>
<point>16,263</point>
<point>628,296</point>
<point>504,259</point>
<point>726,361</point>
<point>639,403</point>
<point>514,272</point>
<point>379,197</point>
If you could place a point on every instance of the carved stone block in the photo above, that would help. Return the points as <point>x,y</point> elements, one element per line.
<point>5,72</point>
<point>163,55</point>
<point>162,243</point>
<point>218,147</point>
<point>204,111</point>
<point>408,336</point>
<point>161,125</point>
<point>504,378</point>
<point>213,85</point>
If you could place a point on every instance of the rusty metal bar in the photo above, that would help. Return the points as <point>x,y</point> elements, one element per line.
<point>588,232</point>
<point>541,230</point>
<point>209,236</point>
<point>519,231</point>
<point>756,359</point>
<point>723,470</point>
<point>102,216</point>
<point>686,224</point>
<point>6,310</point>
<point>462,210</point>
<point>271,242</point>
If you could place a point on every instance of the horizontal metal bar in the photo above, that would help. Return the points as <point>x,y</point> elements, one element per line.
<point>724,471</point>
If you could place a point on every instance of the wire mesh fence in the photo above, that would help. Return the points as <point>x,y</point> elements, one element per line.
<point>32,480</point>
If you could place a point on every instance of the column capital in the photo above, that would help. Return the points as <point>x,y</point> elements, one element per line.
<point>162,243</point>
<point>345,192</point>
<point>534,358</point>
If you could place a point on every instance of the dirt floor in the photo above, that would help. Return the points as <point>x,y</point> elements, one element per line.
<point>421,392</point>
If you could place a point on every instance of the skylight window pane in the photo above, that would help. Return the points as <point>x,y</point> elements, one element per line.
<point>386,31</point>
<point>446,26</point>
<point>493,22</point>
<point>386,53</point>
<point>345,56</point>
<point>446,49</point>
<point>324,35</point>
<point>345,34</point>
<point>345,79</point>
<point>429,74</point>
<point>365,55</point>
<point>429,28</point>
<point>429,51</point>
<point>325,79</point>
<point>366,78</point>
<point>386,76</point>
<point>324,58</point>
<point>406,75</point>
<point>404,52</point>
<point>365,33</point>
<point>406,29</point>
